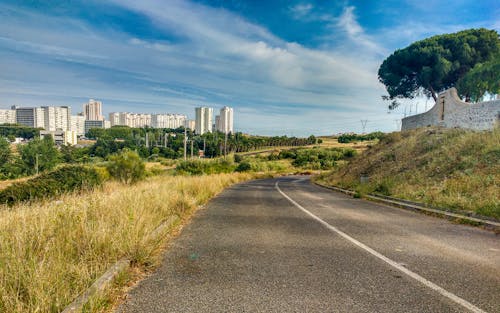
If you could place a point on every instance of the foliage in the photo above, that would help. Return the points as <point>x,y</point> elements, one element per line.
<point>51,184</point>
<point>346,138</point>
<point>5,154</point>
<point>126,167</point>
<point>200,167</point>
<point>436,63</point>
<point>484,77</point>
<point>19,131</point>
<point>244,166</point>
<point>40,154</point>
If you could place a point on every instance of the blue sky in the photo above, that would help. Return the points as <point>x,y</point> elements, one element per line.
<point>286,67</point>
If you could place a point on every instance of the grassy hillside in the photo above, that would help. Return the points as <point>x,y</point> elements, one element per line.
<point>448,168</point>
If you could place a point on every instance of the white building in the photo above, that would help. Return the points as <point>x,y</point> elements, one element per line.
<point>57,118</point>
<point>78,124</point>
<point>114,118</point>
<point>204,118</point>
<point>61,137</point>
<point>226,120</point>
<point>31,117</point>
<point>93,110</point>
<point>168,120</point>
<point>7,116</point>
<point>191,124</point>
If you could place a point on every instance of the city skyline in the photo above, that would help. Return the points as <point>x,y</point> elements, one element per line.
<point>294,67</point>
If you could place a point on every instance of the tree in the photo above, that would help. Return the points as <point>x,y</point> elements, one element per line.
<point>126,166</point>
<point>437,63</point>
<point>484,77</point>
<point>39,155</point>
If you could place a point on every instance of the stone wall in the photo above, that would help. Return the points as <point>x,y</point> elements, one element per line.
<point>449,111</point>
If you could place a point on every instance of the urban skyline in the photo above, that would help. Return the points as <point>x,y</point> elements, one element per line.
<point>60,118</point>
<point>307,67</point>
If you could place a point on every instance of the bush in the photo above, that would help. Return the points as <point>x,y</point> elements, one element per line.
<point>126,167</point>
<point>238,158</point>
<point>51,184</point>
<point>243,167</point>
<point>198,167</point>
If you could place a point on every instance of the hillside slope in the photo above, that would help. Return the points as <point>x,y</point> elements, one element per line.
<point>448,168</point>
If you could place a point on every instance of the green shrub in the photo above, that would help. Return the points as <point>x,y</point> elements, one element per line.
<point>126,167</point>
<point>51,184</point>
<point>238,158</point>
<point>243,167</point>
<point>200,167</point>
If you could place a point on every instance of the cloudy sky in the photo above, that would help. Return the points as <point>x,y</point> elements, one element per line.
<point>287,67</point>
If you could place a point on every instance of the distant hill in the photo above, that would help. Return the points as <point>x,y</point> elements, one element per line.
<point>449,168</point>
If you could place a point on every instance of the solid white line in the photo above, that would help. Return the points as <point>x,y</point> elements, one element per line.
<point>394,264</point>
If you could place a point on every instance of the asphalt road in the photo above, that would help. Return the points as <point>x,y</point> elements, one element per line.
<point>291,246</point>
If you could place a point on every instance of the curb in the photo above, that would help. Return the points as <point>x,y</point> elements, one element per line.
<point>104,281</point>
<point>408,205</point>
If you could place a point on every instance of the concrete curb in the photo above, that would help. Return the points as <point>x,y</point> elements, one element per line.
<point>104,281</point>
<point>404,204</point>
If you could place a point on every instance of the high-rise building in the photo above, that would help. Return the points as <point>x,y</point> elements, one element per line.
<point>168,120</point>
<point>226,120</point>
<point>7,116</point>
<point>57,118</point>
<point>191,124</point>
<point>78,124</point>
<point>203,120</point>
<point>31,117</point>
<point>114,118</point>
<point>93,110</point>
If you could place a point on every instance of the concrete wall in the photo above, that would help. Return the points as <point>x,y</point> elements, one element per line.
<point>451,112</point>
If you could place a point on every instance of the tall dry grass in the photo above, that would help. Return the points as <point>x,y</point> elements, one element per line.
<point>449,168</point>
<point>50,252</point>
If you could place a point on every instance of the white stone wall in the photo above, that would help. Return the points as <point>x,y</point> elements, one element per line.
<point>451,112</point>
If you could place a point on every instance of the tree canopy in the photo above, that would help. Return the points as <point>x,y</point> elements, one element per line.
<point>437,63</point>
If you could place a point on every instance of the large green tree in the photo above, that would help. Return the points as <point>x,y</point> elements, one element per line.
<point>437,63</point>
<point>39,154</point>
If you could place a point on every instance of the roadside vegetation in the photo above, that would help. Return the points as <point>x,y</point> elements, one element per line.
<point>62,229</point>
<point>447,168</point>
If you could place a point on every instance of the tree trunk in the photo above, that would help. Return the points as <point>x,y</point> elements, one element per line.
<point>433,93</point>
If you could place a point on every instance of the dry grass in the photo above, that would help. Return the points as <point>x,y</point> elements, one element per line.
<point>448,168</point>
<point>52,251</point>
<point>331,142</point>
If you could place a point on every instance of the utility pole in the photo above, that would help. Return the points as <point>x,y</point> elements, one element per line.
<point>147,140</point>
<point>36,163</point>
<point>204,147</point>
<point>192,148</point>
<point>165,139</point>
<point>363,124</point>
<point>185,142</point>
<point>225,145</point>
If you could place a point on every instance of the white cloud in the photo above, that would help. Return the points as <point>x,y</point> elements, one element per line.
<point>300,10</point>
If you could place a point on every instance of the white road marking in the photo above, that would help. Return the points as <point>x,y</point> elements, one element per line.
<point>394,264</point>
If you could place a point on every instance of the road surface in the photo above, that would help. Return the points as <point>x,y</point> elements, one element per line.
<point>286,245</point>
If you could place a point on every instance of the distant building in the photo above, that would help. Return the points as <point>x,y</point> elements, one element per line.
<point>226,120</point>
<point>217,122</point>
<point>203,122</point>
<point>114,118</point>
<point>31,117</point>
<point>56,118</point>
<point>93,110</point>
<point>78,124</point>
<point>95,124</point>
<point>191,124</point>
<point>7,116</point>
<point>61,137</point>
<point>168,120</point>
